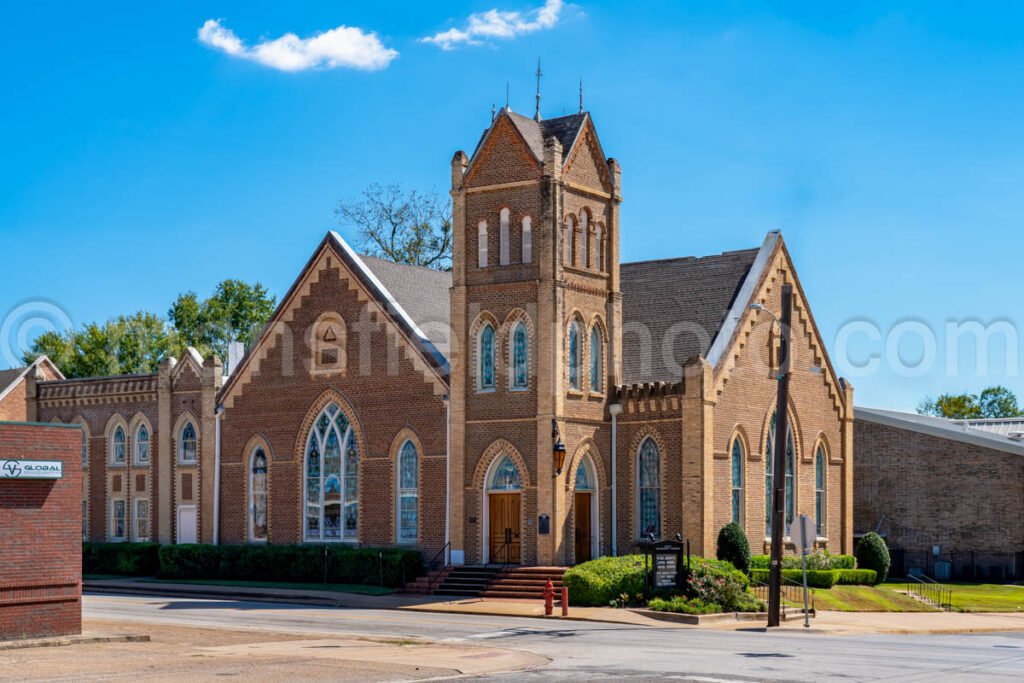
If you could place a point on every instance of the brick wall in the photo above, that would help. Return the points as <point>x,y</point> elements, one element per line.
<point>12,407</point>
<point>40,535</point>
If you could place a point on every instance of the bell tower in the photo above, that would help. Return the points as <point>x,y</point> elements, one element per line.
<point>536,340</point>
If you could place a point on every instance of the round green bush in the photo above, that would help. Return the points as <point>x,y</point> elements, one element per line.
<point>602,581</point>
<point>733,546</point>
<point>872,553</point>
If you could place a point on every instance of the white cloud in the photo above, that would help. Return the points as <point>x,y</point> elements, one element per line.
<point>495,23</point>
<point>344,46</point>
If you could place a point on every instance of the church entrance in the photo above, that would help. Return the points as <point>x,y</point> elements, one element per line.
<point>583,526</point>
<point>505,533</point>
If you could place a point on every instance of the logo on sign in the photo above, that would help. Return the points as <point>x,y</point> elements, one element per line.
<point>12,468</point>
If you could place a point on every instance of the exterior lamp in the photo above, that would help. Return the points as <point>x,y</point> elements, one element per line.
<point>558,449</point>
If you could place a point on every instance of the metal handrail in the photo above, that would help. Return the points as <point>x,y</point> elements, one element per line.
<point>931,592</point>
<point>433,562</point>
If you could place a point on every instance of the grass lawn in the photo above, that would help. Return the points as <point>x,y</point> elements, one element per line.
<point>987,597</point>
<point>866,599</point>
<point>335,587</point>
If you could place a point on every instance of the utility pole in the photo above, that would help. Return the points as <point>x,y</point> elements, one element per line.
<point>781,442</point>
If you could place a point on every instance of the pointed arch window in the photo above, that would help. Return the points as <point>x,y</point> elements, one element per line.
<point>596,359</point>
<point>505,477</point>
<point>520,370</point>
<point>331,479</point>
<point>819,490</point>
<point>769,466</point>
<point>575,381</point>
<point>503,252</point>
<point>737,460</point>
<point>570,236</point>
<point>258,493</point>
<point>649,480</point>
<point>527,240</point>
<point>585,238</point>
<point>117,447</point>
<point>408,494</point>
<point>187,445</point>
<point>481,238</point>
<point>598,248</point>
<point>142,445</point>
<point>584,475</point>
<point>485,358</point>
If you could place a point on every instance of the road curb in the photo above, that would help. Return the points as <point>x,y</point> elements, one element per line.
<point>62,641</point>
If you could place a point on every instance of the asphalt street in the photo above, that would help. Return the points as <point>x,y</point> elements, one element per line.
<point>595,651</point>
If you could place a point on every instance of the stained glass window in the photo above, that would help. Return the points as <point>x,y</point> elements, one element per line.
<point>596,356</point>
<point>141,519</point>
<point>574,356</point>
<point>142,446</point>
<point>650,489</point>
<point>769,464</point>
<point>506,476</point>
<point>258,496</point>
<point>408,493</point>
<point>486,357</point>
<point>332,479</point>
<point>819,490</point>
<point>737,481</point>
<point>117,447</point>
<point>584,479</point>
<point>188,443</point>
<point>117,520</point>
<point>520,357</point>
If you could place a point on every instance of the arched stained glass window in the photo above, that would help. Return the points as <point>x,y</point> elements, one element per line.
<point>408,494</point>
<point>520,357</point>
<point>649,470</point>
<point>258,496</point>
<point>332,479</point>
<point>142,446</point>
<point>485,357</point>
<point>769,464</point>
<point>117,447</point>
<point>737,480</point>
<point>596,358</point>
<point>187,446</point>
<point>574,356</point>
<point>505,477</point>
<point>584,477</point>
<point>819,490</point>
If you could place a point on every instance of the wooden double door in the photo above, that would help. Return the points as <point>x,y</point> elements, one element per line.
<point>505,533</point>
<point>584,526</point>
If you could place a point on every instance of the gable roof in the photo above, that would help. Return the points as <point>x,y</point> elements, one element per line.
<point>565,128</point>
<point>955,430</point>
<point>10,378</point>
<point>684,302</point>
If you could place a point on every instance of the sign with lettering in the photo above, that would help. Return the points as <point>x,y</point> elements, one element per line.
<point>31,469</point>
<point>666,569</point>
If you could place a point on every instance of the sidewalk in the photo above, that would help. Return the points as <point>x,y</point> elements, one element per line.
<point>830,623</point>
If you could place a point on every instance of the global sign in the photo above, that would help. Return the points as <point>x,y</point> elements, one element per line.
<point>31,469</point>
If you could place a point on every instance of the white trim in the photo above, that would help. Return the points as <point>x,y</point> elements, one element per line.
<point>615,409</point>
<point>218,411</point>
<point>10,387</point>
<point>177,525</point>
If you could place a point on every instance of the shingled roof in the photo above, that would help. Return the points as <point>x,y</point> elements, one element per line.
<point>682,302</point>
<point>565,128</point>
<point>422,292</point>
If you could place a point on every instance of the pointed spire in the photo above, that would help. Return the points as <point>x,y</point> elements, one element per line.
<point>581,95</point>
<point>536,114</point>
<point>493,112</point>
<point>507,108</point>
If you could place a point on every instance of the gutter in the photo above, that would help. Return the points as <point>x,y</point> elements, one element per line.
<point>615,409</point>
<point>448,479</point>
<point>218,412</point>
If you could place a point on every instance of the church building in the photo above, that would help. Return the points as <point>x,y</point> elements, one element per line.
<point>541,404</point>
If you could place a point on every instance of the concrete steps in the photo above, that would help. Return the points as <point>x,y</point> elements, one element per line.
<point>466,581</point>
<point>524,583</point>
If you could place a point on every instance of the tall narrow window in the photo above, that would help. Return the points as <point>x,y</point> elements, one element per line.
<point>520,357</point>
<point>596,356</point>
<point>598,248</point>
<point>117,520</point>
<point>819,490</point>
<point>570,236</point>
<point>485,358</point>
<point>258,496</point>
<point>408,494</point>
<point>503,252</point>
<point>142,446</point>
<point>117,447</point>
<point>141,519</point>
<point>574,356</point>
<point>85,450</point>
<point>769,463</point>
<point>648,466</point>
<point>527,240</point>
<point>187,447</point>
<point>585,238</point>
<point>332,479</point>
<point>737,480</point>
<point>481,238</point>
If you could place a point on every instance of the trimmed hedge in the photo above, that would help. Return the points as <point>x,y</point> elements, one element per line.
<point>817,560</point>
<point>733,547</point>
<point>291,563</point>
<point>816,578</point>
<point>681,605</point>
<point>600,582</point>
<point>127,559</point>
<point>872,553</point>
<point>857,577</point>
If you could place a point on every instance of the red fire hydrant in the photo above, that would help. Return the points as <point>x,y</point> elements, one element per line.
<point>549,598</point>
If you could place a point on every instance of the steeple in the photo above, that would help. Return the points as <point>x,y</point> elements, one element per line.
<point>536,114</point>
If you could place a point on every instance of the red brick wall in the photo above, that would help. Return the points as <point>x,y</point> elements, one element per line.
<point>40,535</point>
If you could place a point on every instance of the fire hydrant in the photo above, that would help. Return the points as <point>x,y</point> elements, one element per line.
<point>549,598</point>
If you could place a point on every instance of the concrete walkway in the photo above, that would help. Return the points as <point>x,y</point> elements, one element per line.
<point>833,623</point>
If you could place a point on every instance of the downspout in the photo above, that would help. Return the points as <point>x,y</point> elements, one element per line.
<point>615,409</point>
<point>216,474</point>
<point>447,479</point>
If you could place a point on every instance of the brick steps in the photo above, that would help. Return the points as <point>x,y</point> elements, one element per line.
<point>423,585</point>
<point>466,581</point>
<point>524,583</point>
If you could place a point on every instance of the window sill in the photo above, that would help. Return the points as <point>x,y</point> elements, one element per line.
<point>188,463</point>
<point>117,464</point>
<point>486,391</point>
<point>575,392</point>
<point>519,390</point>
<point>140,464</point>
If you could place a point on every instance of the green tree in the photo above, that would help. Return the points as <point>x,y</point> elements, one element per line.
<point>237,311</point>
<point>400,226</point>
<point>734,547</point>
<point>993,402</point>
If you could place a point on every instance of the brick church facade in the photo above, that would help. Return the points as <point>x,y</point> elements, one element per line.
<point>395,405</point>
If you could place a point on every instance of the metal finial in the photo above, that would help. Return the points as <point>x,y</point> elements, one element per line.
<point>507,108</point>
<point>493,112</point>
<point>581,95</point>
<point>536,114</point>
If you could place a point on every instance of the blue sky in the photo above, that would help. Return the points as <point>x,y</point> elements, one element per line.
<point>883,138</point>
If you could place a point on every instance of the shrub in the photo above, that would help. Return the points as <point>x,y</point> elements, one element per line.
<point>733,547</point>
<point>857,577</point>
<point>603,581</point>
<point>718,582</point>
<point>126,559</point>
<point>816,578</point>
<point>681,605</point>
<point>821,559</point>
<point>872,553</point>
<point>291,563</point>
